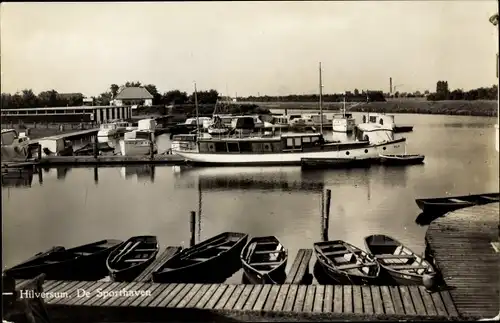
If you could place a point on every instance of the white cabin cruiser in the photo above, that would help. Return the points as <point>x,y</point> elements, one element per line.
<point>343,122</point>
<point>286,149</point>
<point>108,129</point>
<point>140,141</point>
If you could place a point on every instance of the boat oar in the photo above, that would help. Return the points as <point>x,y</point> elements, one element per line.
<point>124,253</point>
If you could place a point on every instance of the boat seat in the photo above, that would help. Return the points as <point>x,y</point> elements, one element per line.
<point>145,250</point>
<point>408,267</point>
<point>82,253</point>
<point>224,247</point>
<point>489,198</point>
<point>264,252</point>
<point>136,260</point>
<point>331,246</point>
<point>200,259</point>
<point>458,201</point>
<point>352,266</point>
<point>395,256</point>
<point>333,253</point>
<point>267,242</point>
<point>265,263</point>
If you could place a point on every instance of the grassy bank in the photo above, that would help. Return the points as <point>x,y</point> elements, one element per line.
<point>472,108</point>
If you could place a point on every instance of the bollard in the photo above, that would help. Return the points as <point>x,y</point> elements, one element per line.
<point>96,175</point>
<point>192,241</point>
<point>40,175</point>
<point>326,223</point>
<point>152,174</point>
<point>39,148</point>
<point>95,146</point>
<point>151,146</point>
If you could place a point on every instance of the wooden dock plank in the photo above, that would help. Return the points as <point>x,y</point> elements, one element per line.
<point>300,267</point>
<point>319,298</point>
<point>378,303</point>
<point>290,298</point>
<point>299,299</point>
<point>64,287</point>
<point>170,296</point>
<point>234,297</point>
<point>271,298</point>
<point>460,244</point>
<point>225,297</point>
<point>396,300</point>
<point>197,297</point>
<point>261,299</point>
<point>76,301</point>
<point>155,290</point>
<point>281,297</point>
<point>441,310</point>
<point>103,299</point>
<point>164,256</point>
<point>347,299</point>
<point>309,299</point>
<point>140,286</point>
<point>418,302</point>
<point>328,300</point>
<point>216,296</point>
<point>253,297</point>
<point>367,300</point>
<point>180,296</point>
<point>408,306</point>
<point>240,303</point>
<point>428,303</point>
<point>73,294</point>
<point>338,295</point>
<point>206,296</point>
<point>357,298</point>
<point>448,303</point>
<point>96,298</point>
<point>189,296</point>
<point>160,295</point>
<point>387,300</point>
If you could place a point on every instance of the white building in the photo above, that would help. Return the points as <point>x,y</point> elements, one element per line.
<point>133,96</point>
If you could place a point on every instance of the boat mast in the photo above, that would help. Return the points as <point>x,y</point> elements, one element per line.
<point>320,100</point>
<point>196,107</point>
<point>344,105</point>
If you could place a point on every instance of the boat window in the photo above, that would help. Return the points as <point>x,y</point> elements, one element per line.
<point>297,142</point>
<point>268,147</point>
<point>314,139</point>
<point>364,119</point>
<point>366,151</point>
<point>232,147</point>
<point>211,147</point>
<point>365,138</point>
<point>203,147</point>
<point>373,119</point>
<point>306,139</point>
<point>347,153</point>
<point>220,146</point>
<point>276,146</point>
<point>289,142</point>
<point>384,148</point>
<point>245,146</point>
<point>381,121</point>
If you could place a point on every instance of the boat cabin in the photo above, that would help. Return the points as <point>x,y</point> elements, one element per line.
<point>373,133</point>
<point>381,119</point>
<point>342,116</point>
<point>56,145</point>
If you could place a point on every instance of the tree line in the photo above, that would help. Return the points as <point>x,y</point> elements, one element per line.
<point>355,96</point>
<point>443,93</point>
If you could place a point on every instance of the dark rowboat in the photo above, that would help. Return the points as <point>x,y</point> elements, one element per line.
<point>402,264</point>
<point>443,205</point>
<point>264,260</point>
<point>401,159</point>
<point>346,264</point>
<point>133,256</point>
<point>86,262</point>
<point>322,163</point>
<point>210,261</point>
<point>401,129</point>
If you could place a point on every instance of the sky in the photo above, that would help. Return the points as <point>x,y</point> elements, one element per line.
<point>248,48</point>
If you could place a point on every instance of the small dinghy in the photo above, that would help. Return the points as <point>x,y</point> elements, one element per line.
<point>210,261</point>
<point>133,256</point>
<point>86,262</point>
<point>264,260</point>
<point>443,205</point>
<point>346,264</point>
<point>402,264</point>
<point>401,159</point>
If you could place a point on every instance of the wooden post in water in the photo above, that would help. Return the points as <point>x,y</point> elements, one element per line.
<point>39,151</point>
<point>152,173</point>
<point>40,175</point>
<point>96,175</point>
<point>151,146</point>
<point>96,147</point>
<point>326,223</point>
<point>192,241</point>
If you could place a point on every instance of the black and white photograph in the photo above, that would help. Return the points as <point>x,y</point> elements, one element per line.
<point>250,161</point>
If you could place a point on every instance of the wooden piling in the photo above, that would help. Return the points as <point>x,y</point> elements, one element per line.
<point>326,223</point>
<point>192,241</point>
<point>39,151</point>
<point>96,175</point>
<point>152,174</point>
<point>151,146</point>
<point>95,146</point>
<point>40,175</point>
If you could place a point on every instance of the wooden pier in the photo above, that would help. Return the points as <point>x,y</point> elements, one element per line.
<point>74,135</point>
<point>110,160</point>
<point>296,300</point>
<point>460,244</point>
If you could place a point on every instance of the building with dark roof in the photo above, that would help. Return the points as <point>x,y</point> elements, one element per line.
<point>133,96</point>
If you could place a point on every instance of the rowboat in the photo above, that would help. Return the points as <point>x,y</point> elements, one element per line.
<point>264,260</point>
<point>443,205</point>
<point>131,258</point>
<point>398,261</point>
<point>210,261</point>
<point>86,262</point>
<point>401,159</point>
<point>322,163</point>
<point>346,264</point>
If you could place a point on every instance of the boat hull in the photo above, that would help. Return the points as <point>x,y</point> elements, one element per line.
<point>446,204</point>
<point>402,129</point>
<point>403,160</point>
<point>278,275</point>
<point>324,163</point>
<point>290,158</point>
<point>136,148</point>
<point>342,278</point>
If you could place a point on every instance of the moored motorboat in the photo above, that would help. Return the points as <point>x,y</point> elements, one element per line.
<point>86,262</point>
<point>346,264</point>
<point>403,159</point>
<point>133,256</point>
<point>210,261</point>
<point>398,261</point>
<point>443,205</point>
<point>264,260</point>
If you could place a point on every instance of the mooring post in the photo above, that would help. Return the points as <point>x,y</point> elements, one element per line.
<point>326,223</point>
<point>95,146</point>
<point>96,175</point>
<point>192,241</point>
<point>39,148</point>
<point>40,175</point>
<point>152,174</point>
<point>151,146</point>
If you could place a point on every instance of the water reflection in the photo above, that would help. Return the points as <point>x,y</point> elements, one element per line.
<point>144,173</point>
<point>17,178</point>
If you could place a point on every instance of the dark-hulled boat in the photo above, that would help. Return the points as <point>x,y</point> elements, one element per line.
<point>401,159</point>
<point>346,264</point>
<point>443,205</point>
<point>403,128</point>
<point>401,263</point>
<point>323,163</point>
<point>210,261</point>
<point>86,262</point>
<point>133,256</point>
<point>264,260</point>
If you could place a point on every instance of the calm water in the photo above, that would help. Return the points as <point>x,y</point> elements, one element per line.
<point>80,205</point>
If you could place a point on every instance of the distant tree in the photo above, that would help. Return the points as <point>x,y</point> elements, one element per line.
<point>175,97</point>
<point>114,89</point>
<point>417,94</point>
<point>396,94</point>
<point>442,90</point>
<point>48,98</point>
<point>104,98</point>
<point>132,84</point>
<point>157,97</point>
<point>356,92</point>
<point>29,98</point>
<point>205,97</point>
<point>427,92</point>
